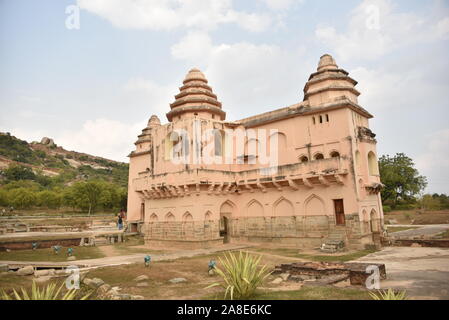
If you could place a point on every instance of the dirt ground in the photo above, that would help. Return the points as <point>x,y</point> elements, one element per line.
<point>418,217</point>
<point>195,271</point>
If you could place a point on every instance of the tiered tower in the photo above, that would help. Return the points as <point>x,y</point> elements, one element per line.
<point>196,98</point>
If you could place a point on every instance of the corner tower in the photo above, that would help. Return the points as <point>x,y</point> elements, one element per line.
<point>330,84</point>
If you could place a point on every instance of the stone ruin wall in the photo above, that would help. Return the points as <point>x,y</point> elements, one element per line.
<point>298,231</point>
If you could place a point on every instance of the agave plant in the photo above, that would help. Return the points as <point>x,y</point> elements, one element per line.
<point>389,295</point>
<point>50,292</point>
<point>241,274</point>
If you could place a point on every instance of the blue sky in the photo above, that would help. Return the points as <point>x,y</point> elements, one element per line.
<point>92,89</point>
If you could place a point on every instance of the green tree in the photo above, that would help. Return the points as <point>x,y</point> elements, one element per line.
<point>49,199</point>
<point>87,195</point>
<point>4,199</point>
<point>22,198</point>
<point>17,172</point>
<point>401,179</point>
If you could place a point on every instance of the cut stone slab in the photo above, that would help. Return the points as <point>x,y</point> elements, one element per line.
<point>26,271</point>
<point>177,280</point>
<point>277,281</point>
<point>141,278</point>
<point>44,273</point>
<point>72,258</point>
<point>137,298</point>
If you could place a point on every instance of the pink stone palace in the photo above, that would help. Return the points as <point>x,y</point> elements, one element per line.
<point>324,187</point>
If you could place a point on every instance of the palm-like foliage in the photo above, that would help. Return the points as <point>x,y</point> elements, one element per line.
<point>241,274</point>
<point>50,292</point>
<point>389,295</point>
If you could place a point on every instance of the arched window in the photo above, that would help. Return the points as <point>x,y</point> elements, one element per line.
<point>335,154</point>
<point>187,217</point>
<point>169,217</point>
<point>303,159</point>
<point>208,216</point>
<point>153,218</point>
<point>319,156</point>
<point>372,164</point>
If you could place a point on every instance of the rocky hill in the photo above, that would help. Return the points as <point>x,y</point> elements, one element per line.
<point>48,159</point>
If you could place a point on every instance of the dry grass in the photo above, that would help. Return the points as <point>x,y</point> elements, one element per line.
<point>419,217</point>
<point>195,270</point>
<point>47,254</point>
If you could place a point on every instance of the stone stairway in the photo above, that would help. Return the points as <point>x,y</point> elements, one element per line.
<point>336,241</point>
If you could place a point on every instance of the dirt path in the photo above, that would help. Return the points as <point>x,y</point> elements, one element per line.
<point>128,259</point>
<point>423,272</point>
<point>422,230</point>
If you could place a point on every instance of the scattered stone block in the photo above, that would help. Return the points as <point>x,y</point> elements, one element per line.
<point>26,271</point>
<point>42,279</point>
<point>72,258</point>
<point>103,290</point>
<point>42,273</point>
<point>177,280</point>
<point>137,298</point>
<point>285,276</point>
<point>416,245</point>
<point>143,284</point>
<point>93,283</point>
<point>141,278</point>
<point>277,281</point>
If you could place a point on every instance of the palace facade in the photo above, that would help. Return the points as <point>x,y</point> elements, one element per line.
<point>324,185</point>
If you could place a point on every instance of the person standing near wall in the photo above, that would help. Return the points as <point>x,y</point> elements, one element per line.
<point>120,222</point>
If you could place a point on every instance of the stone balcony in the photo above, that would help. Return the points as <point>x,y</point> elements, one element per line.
<point>195,181</point>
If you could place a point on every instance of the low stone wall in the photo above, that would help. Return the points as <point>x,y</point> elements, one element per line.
<point>358,273</point>
<point>439,243</point>
<point>27,244</point>
<point>300,231</point>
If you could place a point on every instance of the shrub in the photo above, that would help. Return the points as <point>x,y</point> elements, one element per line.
<point>387,208</point>
<point>48,293</point>
<point>241,274</point>
<point>389,295</point>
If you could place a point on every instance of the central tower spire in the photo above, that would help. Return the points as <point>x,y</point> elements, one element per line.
<point>196,98</point>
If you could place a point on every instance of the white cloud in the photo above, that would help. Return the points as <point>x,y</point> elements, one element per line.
<point>375,29</point>
<point>281,4</point>
<point>109,138</point>
<point>172,14</point>
<point>249,78</point>
<point>434,162</point>
<point>156,96</point>
<point>194,47</point>
<point>437,154</point>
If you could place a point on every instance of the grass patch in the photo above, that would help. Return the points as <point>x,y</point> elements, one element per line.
<point>287,252</point>
<point>48,255</point>
<point>444,235</point>
<point>398,229</point>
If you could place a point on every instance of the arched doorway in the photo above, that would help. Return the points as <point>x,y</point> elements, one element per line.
<point>226,212</point>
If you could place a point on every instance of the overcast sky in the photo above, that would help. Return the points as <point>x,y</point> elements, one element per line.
<point>93,89</point>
